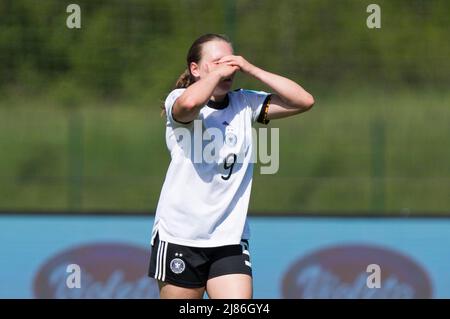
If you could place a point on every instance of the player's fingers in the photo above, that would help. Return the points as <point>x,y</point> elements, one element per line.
<point>234,65</point>
<point>226,58</point>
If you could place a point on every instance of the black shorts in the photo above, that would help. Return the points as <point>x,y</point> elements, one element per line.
<point>191,267</point>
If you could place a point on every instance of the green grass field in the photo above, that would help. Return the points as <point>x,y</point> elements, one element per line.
<point>330,159</point>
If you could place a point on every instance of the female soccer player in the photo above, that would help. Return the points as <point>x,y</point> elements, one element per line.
<point>200,235</point>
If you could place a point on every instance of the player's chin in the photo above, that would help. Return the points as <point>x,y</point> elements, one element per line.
<point>224,86</point>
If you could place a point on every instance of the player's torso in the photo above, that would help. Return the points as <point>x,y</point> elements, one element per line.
<point>234,124</point>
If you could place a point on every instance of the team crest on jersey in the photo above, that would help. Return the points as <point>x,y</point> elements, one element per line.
<point>177,265</point>
<point>230,136</point>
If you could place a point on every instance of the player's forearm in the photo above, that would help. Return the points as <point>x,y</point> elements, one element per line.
<point>200,92</point>
<point>188,105</point>
<point>289,91</point>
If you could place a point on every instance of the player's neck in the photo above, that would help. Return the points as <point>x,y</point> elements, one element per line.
<point>218,98</point>
<point>218,101</point>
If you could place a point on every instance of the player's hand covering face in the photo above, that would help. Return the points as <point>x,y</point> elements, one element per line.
<point>236,60</point>
<point>212,52</point>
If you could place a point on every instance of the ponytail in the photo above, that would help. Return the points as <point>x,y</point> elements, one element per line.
<point>184,80</point>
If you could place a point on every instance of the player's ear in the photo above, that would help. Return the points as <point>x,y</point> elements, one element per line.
<point>195,69</point>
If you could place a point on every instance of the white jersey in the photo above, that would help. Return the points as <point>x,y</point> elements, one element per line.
<point>204,203</point>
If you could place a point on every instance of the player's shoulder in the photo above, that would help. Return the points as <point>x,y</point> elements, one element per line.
<point>242,98</point>
<point>241,92</point>
<point>178,91</point>
<point>174,94</point>
<point>237,95</point>
<point>248,96</point>
<point>248,92</point>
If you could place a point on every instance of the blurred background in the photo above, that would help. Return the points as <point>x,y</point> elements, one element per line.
<point>81,130</point>
<point>80,125</point>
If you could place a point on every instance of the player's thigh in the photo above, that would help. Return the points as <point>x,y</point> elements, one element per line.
<point>232,286</point>
<point>181,271</point>
<point>169,291</point>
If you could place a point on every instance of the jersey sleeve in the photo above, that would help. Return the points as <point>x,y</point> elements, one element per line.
<point>168,104</point>
<point>259,102</point>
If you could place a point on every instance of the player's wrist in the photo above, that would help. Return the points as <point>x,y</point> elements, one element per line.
<point>217,75</point>
<point>246,66</point>
<point>254,71</point>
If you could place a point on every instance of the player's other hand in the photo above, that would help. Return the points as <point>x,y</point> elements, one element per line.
<point>237,60</point>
